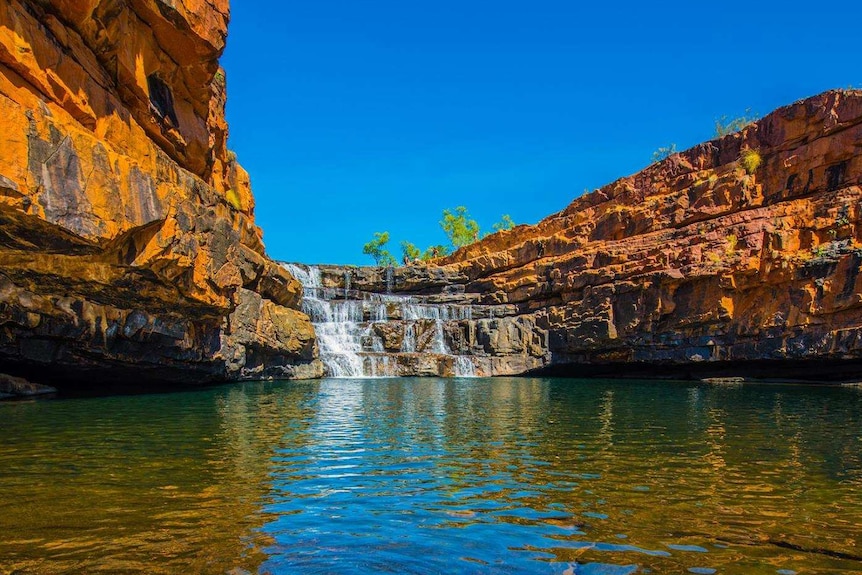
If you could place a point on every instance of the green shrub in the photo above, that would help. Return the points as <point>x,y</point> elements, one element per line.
<point>375,248</point>
<point>505,223</point>
<point>435,252</point>
<point>460,230</point>
<point>409,251</point>
<point>725,126</point>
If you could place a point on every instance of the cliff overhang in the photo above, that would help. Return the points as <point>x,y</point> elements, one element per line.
<point>128,248</point>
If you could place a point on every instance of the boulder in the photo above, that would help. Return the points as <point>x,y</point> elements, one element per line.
<point>18,387</point>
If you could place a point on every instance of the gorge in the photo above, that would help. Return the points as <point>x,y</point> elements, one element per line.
<point>737,257</point>
<point>129,250</point>
<point>565,397</point>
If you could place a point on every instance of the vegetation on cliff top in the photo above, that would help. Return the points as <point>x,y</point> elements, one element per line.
<point>460,229</point>
<point>663,152</point>
<point>724,126</point>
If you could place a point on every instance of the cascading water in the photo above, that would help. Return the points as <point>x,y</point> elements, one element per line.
<point>389,280</point>
<point>347,276</point>
<point>351,332</point>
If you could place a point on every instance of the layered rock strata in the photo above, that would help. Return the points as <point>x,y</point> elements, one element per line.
<point>742,249</point>
<point>128,247</point>
<point>740,255</point>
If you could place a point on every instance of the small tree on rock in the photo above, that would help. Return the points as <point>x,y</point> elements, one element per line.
<point>435,252</point>
<point>459,228</point>
<point>505,223</point>
<point>409,251</point>
<point>375,248</point>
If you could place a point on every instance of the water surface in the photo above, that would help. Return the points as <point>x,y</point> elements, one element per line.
<point>436,476</point>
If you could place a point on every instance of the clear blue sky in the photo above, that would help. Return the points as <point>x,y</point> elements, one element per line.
<point>361,116</point>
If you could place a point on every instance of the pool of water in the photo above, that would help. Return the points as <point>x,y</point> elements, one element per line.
<point>436,476</point>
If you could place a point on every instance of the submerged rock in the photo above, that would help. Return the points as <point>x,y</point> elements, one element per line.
<point>724,380</point>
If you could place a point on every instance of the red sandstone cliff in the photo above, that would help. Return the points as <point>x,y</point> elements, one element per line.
<point>128,237</point>
<point>703,257</point>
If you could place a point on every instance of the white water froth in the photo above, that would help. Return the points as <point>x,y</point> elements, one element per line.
<point>349,346</point>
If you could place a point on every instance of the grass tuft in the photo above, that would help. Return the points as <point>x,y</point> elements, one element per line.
<point>233,199</point>
<point>750,160</point>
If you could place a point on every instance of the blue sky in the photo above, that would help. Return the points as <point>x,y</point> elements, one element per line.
<point>355,117</point>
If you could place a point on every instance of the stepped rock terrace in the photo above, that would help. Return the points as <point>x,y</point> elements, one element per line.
<point>376,322</point>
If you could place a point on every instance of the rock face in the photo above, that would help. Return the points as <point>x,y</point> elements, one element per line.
<point>742,249</point>
<point>128,246</point>
<point>741,255</point>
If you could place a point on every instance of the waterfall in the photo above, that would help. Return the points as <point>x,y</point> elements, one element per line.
<point>347,276</point>
<point>464,366</point>
<point>353,334</point>
<point>389,282</point>
<point>409,342</point>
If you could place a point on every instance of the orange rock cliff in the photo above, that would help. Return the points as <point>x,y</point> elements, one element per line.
<point>741,253</point>
<point>128,246</point>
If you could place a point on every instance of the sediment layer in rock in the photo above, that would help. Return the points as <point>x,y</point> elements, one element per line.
<point>127,236</point>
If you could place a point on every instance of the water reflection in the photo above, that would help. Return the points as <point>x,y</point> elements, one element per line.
<point>141,484</point>
<point>433,475</point>
<point>535,475</point>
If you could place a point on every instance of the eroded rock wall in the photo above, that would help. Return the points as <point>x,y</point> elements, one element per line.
<point>741,249</point>
<point>128,243</point>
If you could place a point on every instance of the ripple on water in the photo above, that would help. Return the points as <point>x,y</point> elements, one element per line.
<point>692,548</point>
<point>429,476</point>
